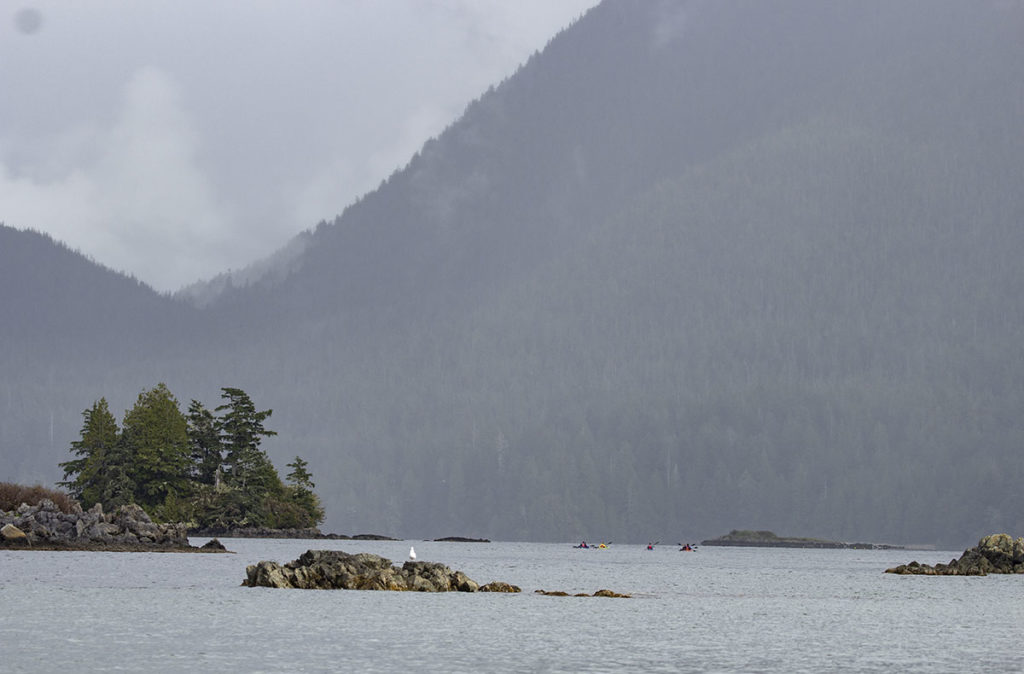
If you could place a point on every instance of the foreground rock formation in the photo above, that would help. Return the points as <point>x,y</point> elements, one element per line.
<point>338,570</point>
<point>44,526</point>
<point>997,553</point>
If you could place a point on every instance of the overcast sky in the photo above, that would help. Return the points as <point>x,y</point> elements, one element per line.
<point>176,140</point>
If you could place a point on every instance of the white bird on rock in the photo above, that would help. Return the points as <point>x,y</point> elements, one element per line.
<point>412,553</point>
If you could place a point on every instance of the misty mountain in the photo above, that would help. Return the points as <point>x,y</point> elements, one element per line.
<point>271,269</point>
<point>51,293</point>
<point>694,267</point>
<point>70,328</point>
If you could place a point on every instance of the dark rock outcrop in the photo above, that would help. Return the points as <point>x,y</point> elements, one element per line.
<point>461,539</point>
<point>338,570</point>
<point>213,544</point>
<point>498,586</point>
<point>997,553</point>
<point>44,526</point>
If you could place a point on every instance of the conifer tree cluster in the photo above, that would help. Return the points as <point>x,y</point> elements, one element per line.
<point>205,468</point>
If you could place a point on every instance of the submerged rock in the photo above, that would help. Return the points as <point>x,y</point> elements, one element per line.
<point>599,593</point>
<point>997,553</point>
<point>338,570</point>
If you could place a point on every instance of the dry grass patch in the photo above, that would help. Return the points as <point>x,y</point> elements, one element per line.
<point>13,495</point>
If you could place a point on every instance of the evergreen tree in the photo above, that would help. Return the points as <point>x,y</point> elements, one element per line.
<point>300,490</point>
<point>300,477</point>
<point>204,439</point>
<point>85,477</point>
<point>157,450</point>
<point>247,466</point>
<point>118,486</point>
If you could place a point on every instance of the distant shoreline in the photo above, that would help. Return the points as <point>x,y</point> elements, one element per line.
<point>304,534</point>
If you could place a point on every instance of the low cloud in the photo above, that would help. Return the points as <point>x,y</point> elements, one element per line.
<point>200,140</point>
<point>139,203</point>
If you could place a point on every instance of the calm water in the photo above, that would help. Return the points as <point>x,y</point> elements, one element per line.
<point>717,609</point>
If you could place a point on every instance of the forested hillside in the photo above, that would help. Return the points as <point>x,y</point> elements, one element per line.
<point>695,267</point>
<point>70,327</point>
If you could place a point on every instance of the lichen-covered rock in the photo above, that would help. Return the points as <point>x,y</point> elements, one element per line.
<point>9,532</point>
<point>997,553</point>
<point>338,570</point>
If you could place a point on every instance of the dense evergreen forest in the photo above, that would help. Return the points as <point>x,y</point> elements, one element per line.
<point>694,267</point>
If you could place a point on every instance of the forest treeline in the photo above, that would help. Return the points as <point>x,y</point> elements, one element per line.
<point>695,267</point>
<point>206,470</point>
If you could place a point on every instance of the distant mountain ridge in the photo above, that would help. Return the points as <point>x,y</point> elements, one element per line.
<point>695,267</point>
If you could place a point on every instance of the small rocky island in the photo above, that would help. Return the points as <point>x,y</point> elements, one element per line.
<point>44,526</point>
<point>338,570</point>
<point>997,553</point>
<point>768,539</point>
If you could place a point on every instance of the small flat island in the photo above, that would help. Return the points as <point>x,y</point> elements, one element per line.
<point>768,539</point>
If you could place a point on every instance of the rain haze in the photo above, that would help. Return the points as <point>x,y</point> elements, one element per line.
<point>175,141</point>
<point>695,267</point>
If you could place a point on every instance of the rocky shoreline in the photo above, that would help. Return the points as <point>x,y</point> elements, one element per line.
<point>128,528</point>
<point>263,532</point>
<point>311,533</point>
<point>997,553</point>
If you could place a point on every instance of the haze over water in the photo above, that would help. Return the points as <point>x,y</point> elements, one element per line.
<point>710,610</point>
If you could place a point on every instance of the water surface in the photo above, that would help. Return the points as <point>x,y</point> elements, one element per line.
<point>718,609</point>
